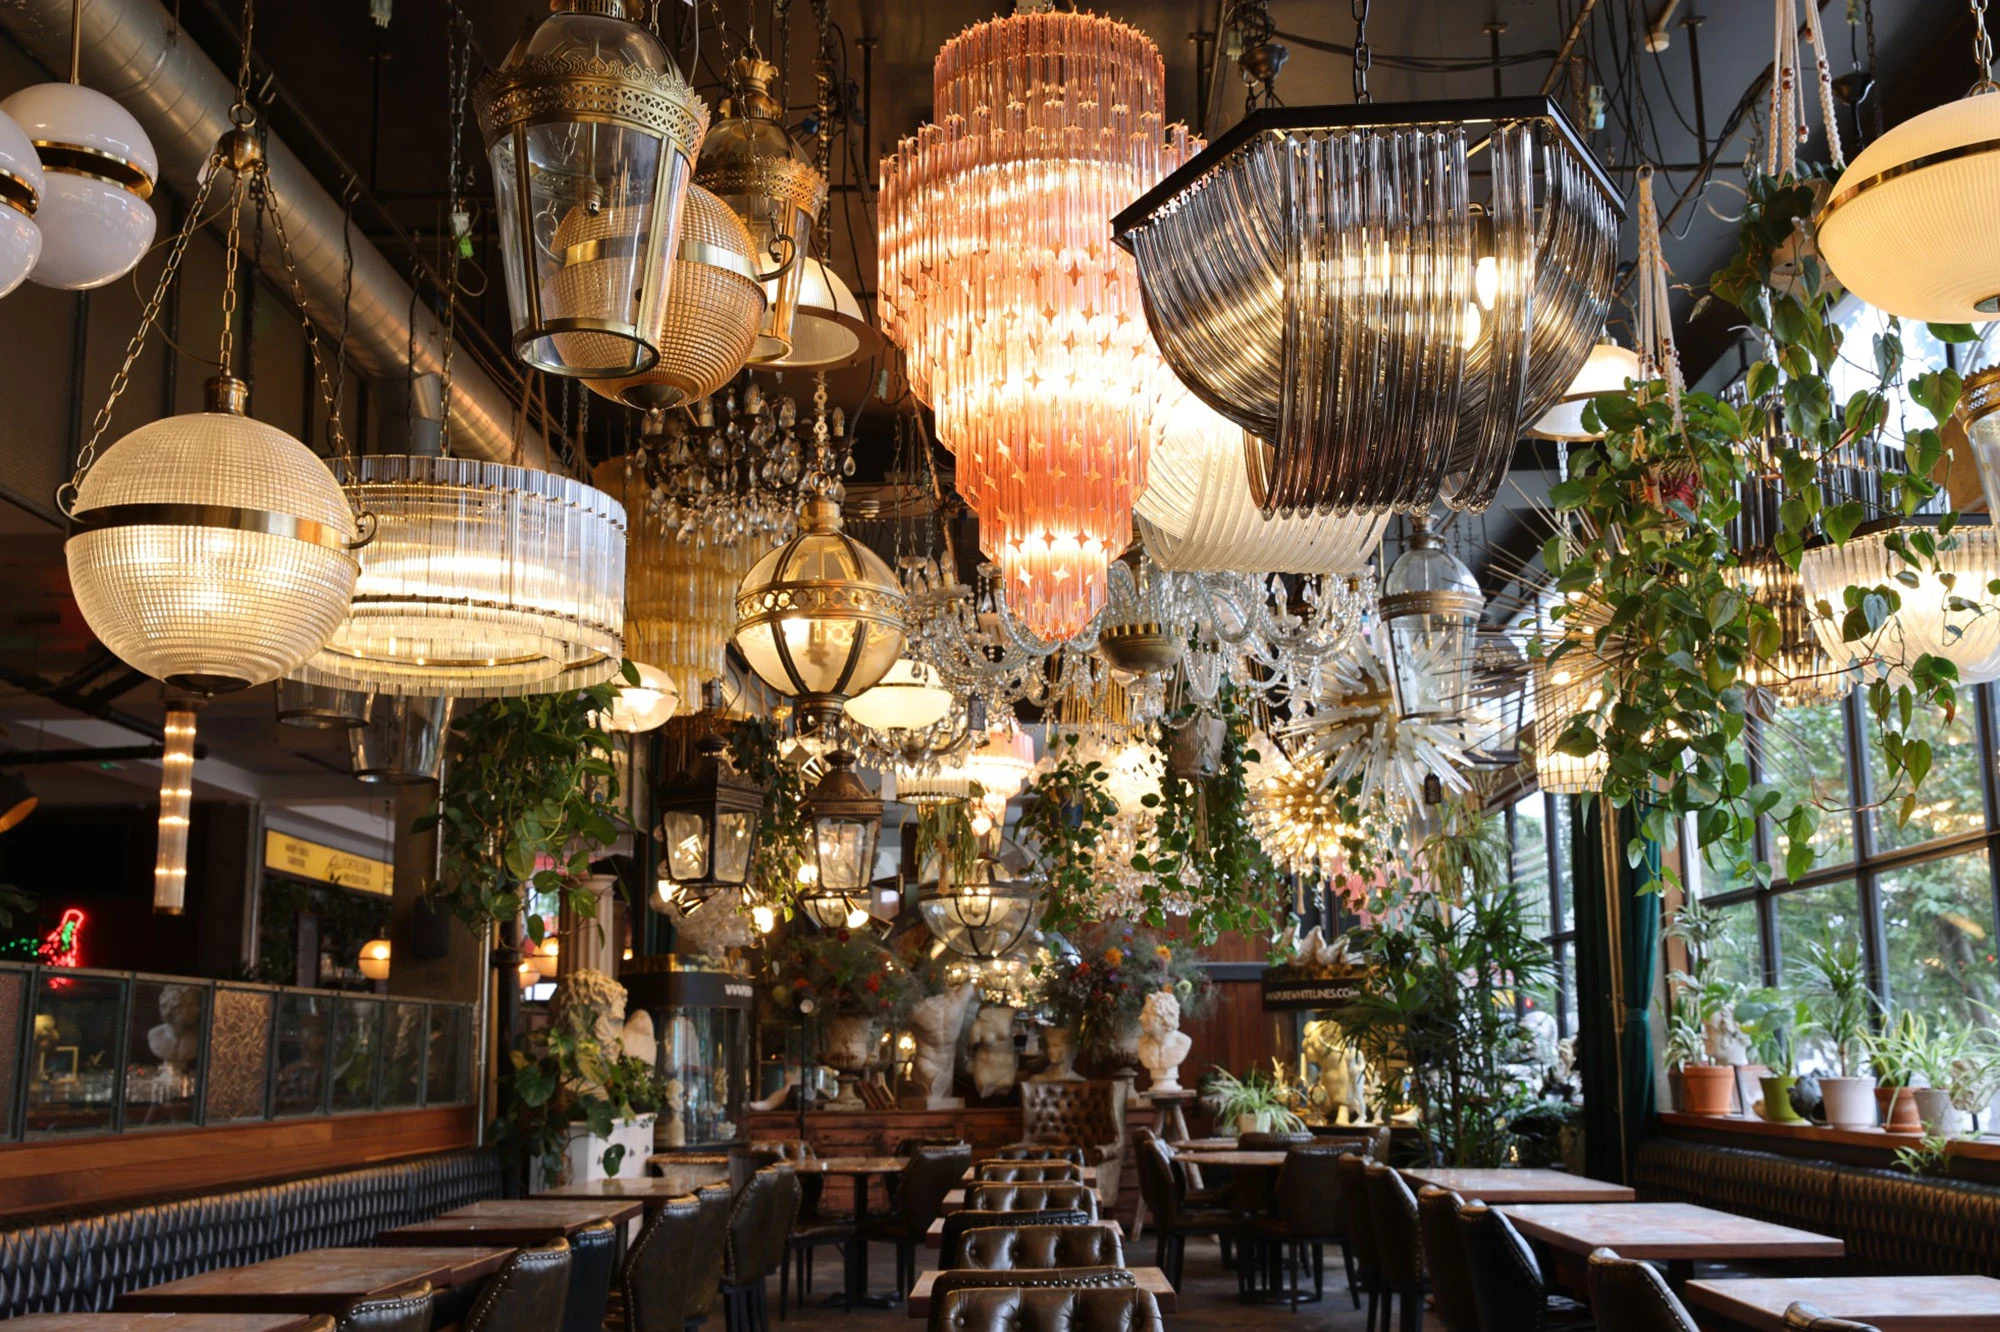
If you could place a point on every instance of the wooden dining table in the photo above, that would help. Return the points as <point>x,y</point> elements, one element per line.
<point>317,1281</point>
<point>1253,1160</point>
<point>162,1322</point>
<point>516,1222</point>
<point>649,1191</point>
<point>1147,1278</point>
<point>1891,1303</point>
<point>1518,1185</point>
<point>1677,1234</point>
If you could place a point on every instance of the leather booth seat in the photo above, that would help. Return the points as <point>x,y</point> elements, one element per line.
<point>1890,1221</point>
<point>1048,1309</point>
<point>82,1261</point>
<point>1008,1248</point>
<point>1038,1197</point>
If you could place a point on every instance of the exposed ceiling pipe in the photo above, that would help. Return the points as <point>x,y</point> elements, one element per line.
<point>133,51</point>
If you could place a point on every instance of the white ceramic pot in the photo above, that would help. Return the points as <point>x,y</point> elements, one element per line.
<point>1850,1102</point>
<point>1935,1109</point>
<point>1258,1123</point>
<point>583,1154</point>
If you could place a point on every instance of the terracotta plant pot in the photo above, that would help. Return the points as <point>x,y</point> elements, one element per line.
<point>1777,1103</point>
<point>1709,1089</point>
<point>1850,1102</point>
<point>1898,1109</point>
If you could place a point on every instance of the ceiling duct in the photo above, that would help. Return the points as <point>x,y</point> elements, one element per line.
<point>133,52</point>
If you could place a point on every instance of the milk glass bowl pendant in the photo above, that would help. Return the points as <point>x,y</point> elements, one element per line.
<point>591,133</point>
<point>210,550</point>
<point>910,697</point>
<point>821,618</point>
<point>21,187</point>
<point>759,170</point>
<point>1606,370</point>
<point>99,168</point>
<point>1943,614</point>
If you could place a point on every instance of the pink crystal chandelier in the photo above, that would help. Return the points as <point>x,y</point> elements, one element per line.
<point>1020,320</point>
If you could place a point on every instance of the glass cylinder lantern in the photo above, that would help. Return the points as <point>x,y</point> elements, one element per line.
<point>708,828</point>
<point>402,741</point>
<point>847,819</point>
<point>591,133</point>
<point>1431,605</point>
<point>760,171</point>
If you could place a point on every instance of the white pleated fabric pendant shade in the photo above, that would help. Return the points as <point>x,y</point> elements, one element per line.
<point>1198,514</point>
<point>211,551</point>
<point>482,580</point>
<point>1909,227</point>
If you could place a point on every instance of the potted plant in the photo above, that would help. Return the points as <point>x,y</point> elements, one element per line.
<point>1098,988</point>
<point>1252,1103</point>
<point>578,1086</point>
<point>1836,986</point>
<point>1919,1060</point>
<point>1707,1088</point>
<point>1770,1019</point>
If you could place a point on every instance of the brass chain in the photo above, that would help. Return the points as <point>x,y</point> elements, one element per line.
<point>1363,57</point>
<point>458,54</point>
<point>320,374</point>
<point>232,260</point>
<point>1982,46</point>
<point>148,317</point>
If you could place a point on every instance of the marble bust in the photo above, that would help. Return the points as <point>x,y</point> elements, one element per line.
<point>1162,1043</point>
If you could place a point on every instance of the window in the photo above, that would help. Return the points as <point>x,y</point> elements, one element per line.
<point>1538,830</point>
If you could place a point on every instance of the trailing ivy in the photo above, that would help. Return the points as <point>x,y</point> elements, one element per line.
<point>784,831</point>
<point>1068,811</point>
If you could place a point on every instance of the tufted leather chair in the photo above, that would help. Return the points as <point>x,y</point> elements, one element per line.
<point>1164,1190</point>
<point>1031,1197</point>
<point>1039,1151</point>
<point>1030,1172</point>
<point>1364,1256</point>
<point>1006,1248</point>
<point>1632,1297</point>
<point>1444,1259</point>
<point>710,1245</point>
<point>760,1223</point>
<point>1090,1115</point>
<point>405,1310</point>
<point>1392,1208</point>
<point>1507,1287</point>
<point>1803,1317</point>
<point>918,1200</point>
<point>527,1294</point>
<point>82,1261</point>
<point>1047,1309</point>
<point>593,1257</point>
<point>951,1246</point>
<point>1306,1215</point>
<point>1031,1278</point>
<point>657,1283</point>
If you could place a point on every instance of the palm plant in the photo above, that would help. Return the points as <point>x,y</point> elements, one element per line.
<point>1836,985</point>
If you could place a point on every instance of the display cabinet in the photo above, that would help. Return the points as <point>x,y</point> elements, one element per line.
<point>702,1012</point>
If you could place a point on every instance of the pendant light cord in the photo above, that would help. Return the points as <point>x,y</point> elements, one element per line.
<point>76,41</point>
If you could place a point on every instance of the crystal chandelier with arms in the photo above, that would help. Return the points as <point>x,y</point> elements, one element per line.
<point>1331,279</point>
<point>1020,321</point>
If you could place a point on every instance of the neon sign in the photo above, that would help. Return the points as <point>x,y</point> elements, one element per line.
<point>60,946</point>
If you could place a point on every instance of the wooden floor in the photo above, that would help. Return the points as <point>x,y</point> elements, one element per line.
<point>1208,1299</point>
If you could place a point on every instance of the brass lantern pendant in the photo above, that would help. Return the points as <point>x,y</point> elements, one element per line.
<point>591,133</point>
<point>760,171</point>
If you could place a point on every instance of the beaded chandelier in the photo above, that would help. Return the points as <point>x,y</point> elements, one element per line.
<point>1020,320</point>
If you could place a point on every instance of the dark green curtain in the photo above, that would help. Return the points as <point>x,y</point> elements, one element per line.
<point>1617,1074</point>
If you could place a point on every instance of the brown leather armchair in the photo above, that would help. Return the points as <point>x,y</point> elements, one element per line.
<point>1048,1309</point>
<point>1089,1115</point>
<point>1306,1215</point>
<point>1031,1278</point>
<point>405,1310</point>
<point>1630,1296</point>
<point>1031,1198</point>
<point>527,1294</point>
<point>1444,1259</point>
<point>1040,1151</point>
<point>965,1220</point>
<point>760,1225</point>
<point>709,1245</point>
<point>1507,1284</point>
<point>1393,1210</point>
<point>1030,1172</point>
<point>1002,1248</point>
<point>1173,1220</point>
<point>1803,1317</point>
<point>1363,1254</point>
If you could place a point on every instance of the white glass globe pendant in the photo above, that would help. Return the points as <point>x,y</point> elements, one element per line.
<point>99,168</point>
<point>21,188</point>
<point>645,706</point>
<point>210,550</point>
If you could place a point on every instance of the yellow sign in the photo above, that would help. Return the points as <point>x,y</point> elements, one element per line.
<point>310,860</point>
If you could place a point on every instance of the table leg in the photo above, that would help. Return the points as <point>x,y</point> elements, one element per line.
<point>1680,1271</point>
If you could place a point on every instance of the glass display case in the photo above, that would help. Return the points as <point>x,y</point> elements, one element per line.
<point>1328,1082</point>
<point>702,1014</point>
<point>86,1052</point>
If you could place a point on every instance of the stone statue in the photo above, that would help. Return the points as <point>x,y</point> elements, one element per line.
<point>994,1063</point>
<point>722,923</point>
<point>1341,1090</point>
<point>1727,1043</point>
<point>673,1115</point>
<point>1060,1044</point>
<point>935,1024</point>
<point>639,1041</point>
<point>1162,1044</point>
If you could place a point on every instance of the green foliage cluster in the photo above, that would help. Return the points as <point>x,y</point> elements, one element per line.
<point>844,972</point>
<point>527,780</point>
<point>784,830</point>
<point>1098,987</point>
<point>1065,819</point>
<point>568,1078</point>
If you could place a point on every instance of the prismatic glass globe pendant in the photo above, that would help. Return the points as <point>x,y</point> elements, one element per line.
<point>1020,321</point>
<point>1382,295</point>
<point>591,133</point>
<point>210,550</point>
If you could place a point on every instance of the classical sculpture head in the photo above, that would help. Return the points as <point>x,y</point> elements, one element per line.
<point>1161,1014</point>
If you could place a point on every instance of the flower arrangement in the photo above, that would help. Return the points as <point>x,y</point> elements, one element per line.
<point>844,972</point>
<point>1098,988</point>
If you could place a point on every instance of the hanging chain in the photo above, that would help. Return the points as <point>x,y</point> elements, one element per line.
<point>458,54</point>
<point>823,133</point>
<point>1363,57</point>
<point>1982,48</point>
<point>148,317</point>
<point>346,311</point>
<point>231,261</point>
<point>1874,70</point>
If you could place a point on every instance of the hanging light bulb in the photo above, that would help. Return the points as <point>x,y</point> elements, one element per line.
<point>176,800</point>
<point>403,740</point>
<point>1430,606</point>
<point>645,706</point>
<point>98,168</point>
<point>374,959</point>
<point>21,188</point>
<point>1003,761</point>
<point>590,131</point>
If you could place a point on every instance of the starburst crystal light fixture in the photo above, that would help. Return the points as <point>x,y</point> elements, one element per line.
<point>1020,320</point>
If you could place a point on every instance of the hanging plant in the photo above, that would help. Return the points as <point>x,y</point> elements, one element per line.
<point>784,830</point>
<point>946,827</point>
<point>529,795</point>
<point>1068,812</point>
